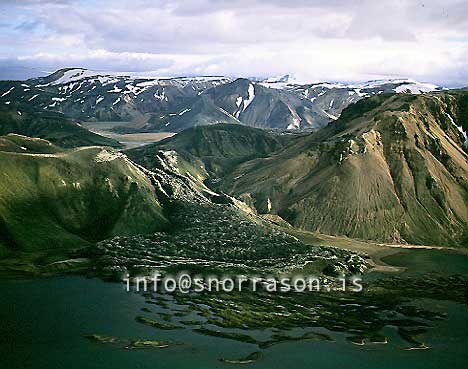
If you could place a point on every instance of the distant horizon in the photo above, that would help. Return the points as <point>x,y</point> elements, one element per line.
<point>31,73</point>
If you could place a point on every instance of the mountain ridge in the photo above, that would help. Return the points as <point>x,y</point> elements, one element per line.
<point>151,104</point>
<point>26,120</point>
<point>396,173</point>
<point>51,198</point>
<point>393,168</point>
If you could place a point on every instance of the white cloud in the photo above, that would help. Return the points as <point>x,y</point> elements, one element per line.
<point>316,40</point>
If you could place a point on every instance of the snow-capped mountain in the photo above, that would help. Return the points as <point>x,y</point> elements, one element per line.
<point>244,101</point>
<point>173,104</point>
<point>332,98</point>
<point>87,95</point>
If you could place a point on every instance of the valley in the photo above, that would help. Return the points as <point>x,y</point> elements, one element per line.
<point>129,140</point>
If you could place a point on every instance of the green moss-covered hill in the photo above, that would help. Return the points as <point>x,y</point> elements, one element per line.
<point>52,198</point>
<point>52,126</point>
<point>217,148</point>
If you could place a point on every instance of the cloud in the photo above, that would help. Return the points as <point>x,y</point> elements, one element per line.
<point>315,39</point>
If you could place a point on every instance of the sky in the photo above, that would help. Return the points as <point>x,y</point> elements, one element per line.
<point>313,40</point>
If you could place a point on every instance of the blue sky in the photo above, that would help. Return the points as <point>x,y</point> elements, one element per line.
<point>314,40</point>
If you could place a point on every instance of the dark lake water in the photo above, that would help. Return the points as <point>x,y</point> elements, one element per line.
<point>425,261</point>
<point>42,322</point>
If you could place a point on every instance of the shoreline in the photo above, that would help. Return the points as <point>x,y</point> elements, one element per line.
<point>23,266</point>
<point>375,250</point>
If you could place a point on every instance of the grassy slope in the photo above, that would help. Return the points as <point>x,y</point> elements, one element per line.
<point>66,199</point>
<point>393,168</point>
<point>217,148</point>
<point>54,127</point>
<point>13,142</point>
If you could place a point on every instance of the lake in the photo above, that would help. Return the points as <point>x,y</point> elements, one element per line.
<point>128,140</point>
<point>43,322</point>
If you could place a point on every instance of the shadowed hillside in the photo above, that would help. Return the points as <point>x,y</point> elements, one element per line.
<point>52,126</point>
<point>50,198</point>
<point>218,148</point>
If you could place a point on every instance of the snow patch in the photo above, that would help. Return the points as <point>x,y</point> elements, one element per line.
<point>149,83</point>
<point>415,87</point>
<point>115,89</point>
<point>295,124</point>
<point>460,128</point>
<point>161,96</point>
<point>331,116</point>
<point>184,111</point>
<point>251,92</point>
<point>6,93</point>
<point>74,75</point>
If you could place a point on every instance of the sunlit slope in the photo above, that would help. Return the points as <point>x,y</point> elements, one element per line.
<point>392,168</point>
<point>215,149</point>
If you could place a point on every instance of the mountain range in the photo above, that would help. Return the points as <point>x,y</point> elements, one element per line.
<point>393,168</point>
<point>174,104</point>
